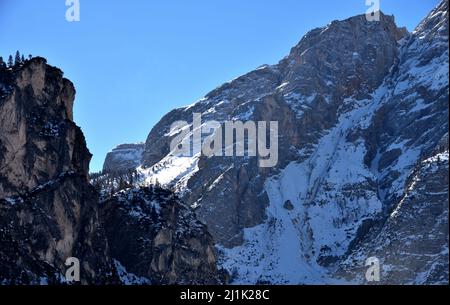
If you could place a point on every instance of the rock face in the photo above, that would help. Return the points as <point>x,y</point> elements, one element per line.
<point>123,158</point>
<point>48,210</point>
<point>362,107</point>
<point>303,93</point>
<point>154,236</point>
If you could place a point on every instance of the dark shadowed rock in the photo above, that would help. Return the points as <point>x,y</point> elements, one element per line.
<point>153,235</point>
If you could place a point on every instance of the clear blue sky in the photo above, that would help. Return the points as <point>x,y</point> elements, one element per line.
<point>133,61</point>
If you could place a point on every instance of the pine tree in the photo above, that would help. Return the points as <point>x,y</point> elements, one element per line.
<point>22,59</point>
<point>10,61</point>
<point>157,184</point>
<point>98,186</point>
<point>131,180</point>
<point>122,184</point>
<point>17,58</point>
<point>2,63</point>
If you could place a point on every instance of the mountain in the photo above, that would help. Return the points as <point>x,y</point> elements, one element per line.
<point>124,157</point>
<point>360,179</point>
<point>363,150</point>
<point>304,93</point>
<point>50,212</point>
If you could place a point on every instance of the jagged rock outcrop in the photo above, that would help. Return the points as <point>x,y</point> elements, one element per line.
<point>359,105</point>
<point>48,209</point>
<point>154,236</point>
<point>123,158</point>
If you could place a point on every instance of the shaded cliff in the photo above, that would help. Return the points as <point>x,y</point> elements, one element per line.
<point>154,236</point>
<point>48,209</point>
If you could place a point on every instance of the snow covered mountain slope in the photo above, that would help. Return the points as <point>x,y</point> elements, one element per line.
<point>363,117</point>
<point>412,242</point>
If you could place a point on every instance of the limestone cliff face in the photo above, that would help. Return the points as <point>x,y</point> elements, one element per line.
<point>48,209</point>
<point>407,146</point>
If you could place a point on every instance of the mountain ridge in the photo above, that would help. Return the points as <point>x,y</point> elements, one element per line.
<point>365,94</point>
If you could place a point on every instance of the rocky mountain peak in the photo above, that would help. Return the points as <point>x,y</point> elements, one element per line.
<point>48,209</point>
<point>39,139</point>
<point>344,57</point>
<point>436,20</point>
<point>124,157</point>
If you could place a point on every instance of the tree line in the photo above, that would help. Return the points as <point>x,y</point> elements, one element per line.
<point>110,182</point>
<point>15,61</point>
